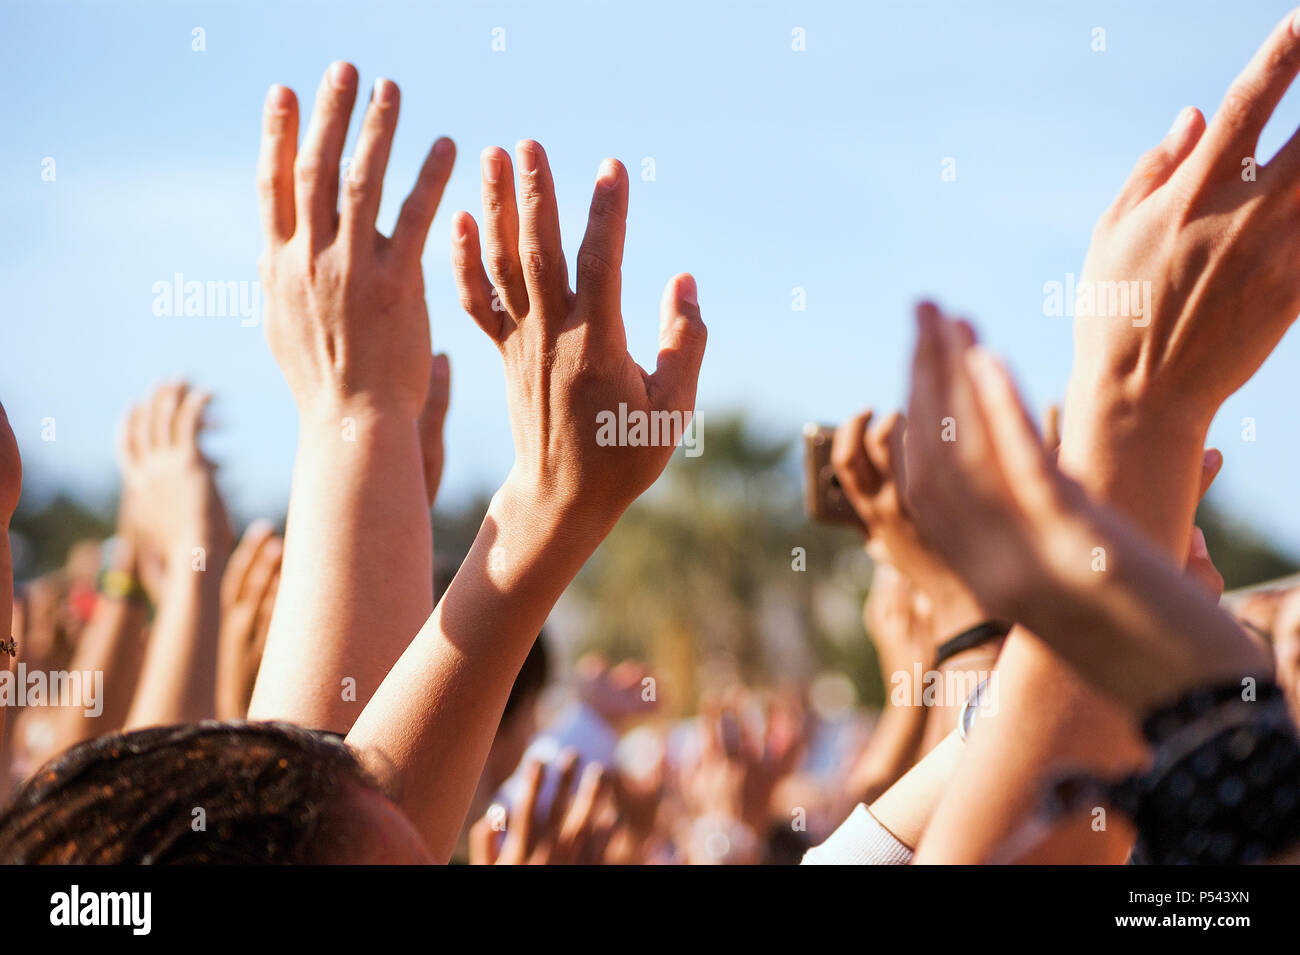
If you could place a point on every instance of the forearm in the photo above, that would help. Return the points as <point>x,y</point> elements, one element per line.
<point>905,807</point>
<point>433,719</point>
<point>357,578</point>
<point>1152,633</point>
<point>1035,729</point>
<point>112,644</point>
<point>1139,458</point>
<point>890,752</point>
<point>178,680</point>
<point>1147,467</point>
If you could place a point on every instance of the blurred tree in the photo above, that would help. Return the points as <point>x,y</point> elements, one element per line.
<point>710,587</point>
<point>47,531</point>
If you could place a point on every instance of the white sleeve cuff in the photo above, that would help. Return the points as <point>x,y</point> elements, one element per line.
<point>860,840</point>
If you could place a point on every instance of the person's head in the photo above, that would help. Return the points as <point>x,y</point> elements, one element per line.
<point>207,793</point>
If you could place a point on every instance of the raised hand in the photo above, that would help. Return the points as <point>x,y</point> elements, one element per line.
<point>171,505</point>
<point>574,830</point>
<point>175,514</point>
<point>899,620</point>
<point>1034,548</point>
<point>347,323</point>
<point>248,592</point>
<point>869,462</point>
<point>740,765</point>
<point>345,318</point>
<point>615,692</point>
<point>565,352</point>
<point>1214,232</point>
<point>1191,282</point>
<point>567,371</point>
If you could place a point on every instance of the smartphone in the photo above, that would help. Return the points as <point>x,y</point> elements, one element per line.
<point>824,499</point>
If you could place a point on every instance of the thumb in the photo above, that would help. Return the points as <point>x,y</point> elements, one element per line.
<point>682,336</point>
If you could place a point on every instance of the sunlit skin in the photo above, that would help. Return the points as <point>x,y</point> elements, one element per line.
<point>1139,404</point>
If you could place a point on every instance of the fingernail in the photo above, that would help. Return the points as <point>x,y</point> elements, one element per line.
<point>340,75</point>
<point>925,316</point>
<point>1213,458</point>
<point>385,91</point>
<point>687,290</point>
<point>491,167</point>
<point>528,156</point>
<point>1295,23</point>
<point>607,175</point>
<point>443,147</point>
<point>1181,119</point>
<point>279,97</point>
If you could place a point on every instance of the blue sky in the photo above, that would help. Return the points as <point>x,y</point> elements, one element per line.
<point>774,170</point>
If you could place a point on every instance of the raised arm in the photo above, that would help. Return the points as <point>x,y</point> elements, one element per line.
<point>114,641</point>
<point>1203,240</point>
<point>567,371</point>
<point>182,520</point>
<point>869,461</point>
<point>1140,630</point>
<point>347,322</point>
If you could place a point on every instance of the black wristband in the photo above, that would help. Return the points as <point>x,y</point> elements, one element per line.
<point>1224,786</point>
<point>980,633</point>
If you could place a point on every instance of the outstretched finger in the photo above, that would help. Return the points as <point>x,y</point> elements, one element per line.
<point>477,296</point>
<point>363,183</point>
<point>682,337</point>
<point>600,259</point>
<point>275,164</point>
<point>541,253</point>
<point>501,231</point>
<point>1233,133</point>
<point>316,170</point>
<point>422,203</point>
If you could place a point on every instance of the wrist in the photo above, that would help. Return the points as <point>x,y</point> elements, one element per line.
<point>349,417</point>
<point>954,609</point>
<point>1139,455</point>
<point>1106,405</point>
<point>553,511</point>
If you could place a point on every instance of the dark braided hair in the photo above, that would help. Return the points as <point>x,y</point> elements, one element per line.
<point>269,792</point>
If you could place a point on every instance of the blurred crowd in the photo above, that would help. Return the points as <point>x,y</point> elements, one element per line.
<point>1063,682</point>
